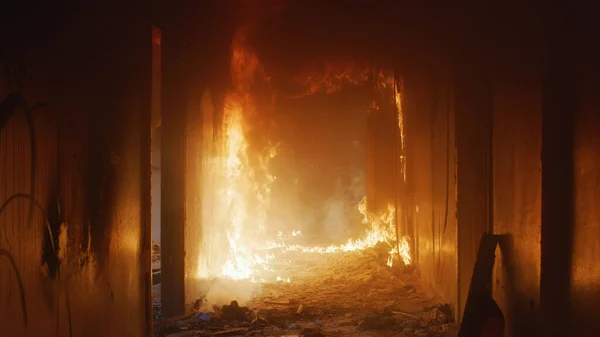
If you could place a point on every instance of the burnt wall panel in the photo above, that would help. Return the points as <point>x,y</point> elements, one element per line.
<point>570,276</point>
<point>24,240</point>
<point>472,103</point>
<point>517,193</point>
<point>370,157</point>
<point>585,271</point>
<point>418,113</point>
<point>173,167</point>
<point>92,175</point>
<point>560,92</point>
<point>381,179</point>
<point>432,173</point>
<point>194,187</point>
<point>444,189</point>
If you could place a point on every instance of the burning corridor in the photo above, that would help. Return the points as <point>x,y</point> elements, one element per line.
<point>257,277</point>
<point>298,168</point>
<point>238,179</point>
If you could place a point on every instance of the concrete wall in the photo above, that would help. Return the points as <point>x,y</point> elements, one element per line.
<point>92,173</point>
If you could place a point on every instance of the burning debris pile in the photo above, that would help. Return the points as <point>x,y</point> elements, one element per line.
<point>346,294</point>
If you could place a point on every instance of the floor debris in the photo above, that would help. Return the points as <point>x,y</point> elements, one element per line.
<point>350,294</point>
<point>228,332</point>
<point>404,314</point>
<point>277,302</point>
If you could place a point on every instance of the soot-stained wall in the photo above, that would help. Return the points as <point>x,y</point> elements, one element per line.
<point>472,104</point>
<point>585,272</point>
<point>473,134</point>
<point>517,185</point>
<point>430,204</point>
<point>92,176</point>
<point>383,174</point>
<point>521,161</point>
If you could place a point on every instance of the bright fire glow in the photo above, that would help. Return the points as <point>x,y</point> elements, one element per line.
<point>242,186</point>
<point>379,229</point>
<point>398,100</point>
<point>240,180</point>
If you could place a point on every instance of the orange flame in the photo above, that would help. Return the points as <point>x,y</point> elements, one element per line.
<point>242,189</point>
<point>329,77</point>
<point>380,228</point>
<point>246,201</point>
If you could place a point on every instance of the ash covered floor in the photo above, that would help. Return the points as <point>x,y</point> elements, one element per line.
<point>341,294</point>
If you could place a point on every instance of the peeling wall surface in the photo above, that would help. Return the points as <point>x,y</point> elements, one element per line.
<point>91,179</point>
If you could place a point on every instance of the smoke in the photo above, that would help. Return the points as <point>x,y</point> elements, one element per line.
<point>335,222</point>
<point>320,201</point>
<point>222,291</point>
<point>342,220</point>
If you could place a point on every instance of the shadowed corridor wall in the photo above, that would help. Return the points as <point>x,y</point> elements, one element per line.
<point>92,175</point>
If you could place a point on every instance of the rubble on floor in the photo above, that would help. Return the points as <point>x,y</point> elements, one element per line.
<point>345,294</point>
